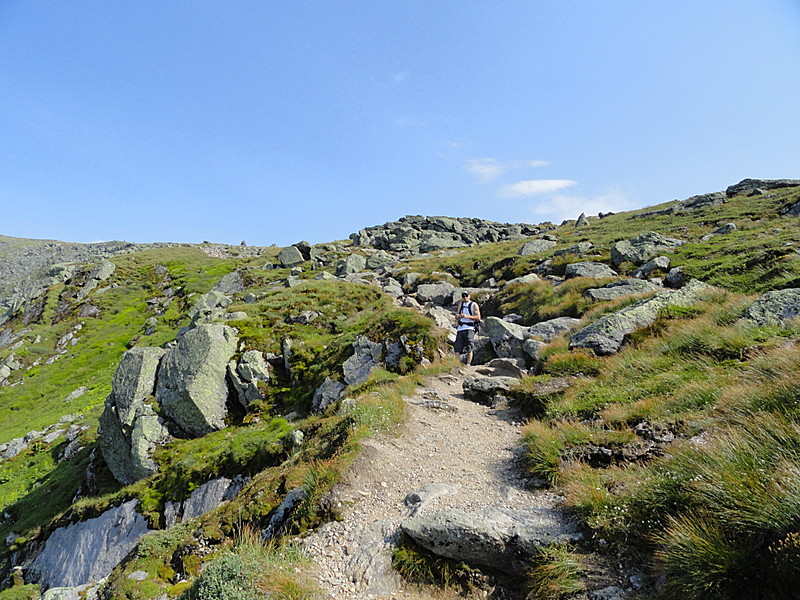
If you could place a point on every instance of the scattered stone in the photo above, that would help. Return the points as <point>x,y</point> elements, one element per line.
<point>290,257</point>
<point>483,389</point>
<point>775,308</point>
<point>326,395</point>
<point>659,263</point>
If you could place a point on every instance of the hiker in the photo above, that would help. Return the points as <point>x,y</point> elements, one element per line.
<point>468,316</point>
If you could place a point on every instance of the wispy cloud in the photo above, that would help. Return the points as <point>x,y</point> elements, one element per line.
<point>534,187</point>
<point>488,169</point>
<point>558,207</point>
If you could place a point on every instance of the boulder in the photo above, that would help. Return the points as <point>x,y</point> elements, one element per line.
<point>290,257</point>
<point>204,499</point>
<point>326,395</point>
<point>702,201</point>
<point>130,429</point>
<point>579,248</point>
<point>659,263</point>
<point>281,518</point>
<point>232,283</point>
<point>775,308</point>
<point>589,269</point>
<point>617,289</point>
<point>438,293</point>
<point>380,259</point>
<point>506,337</point>
<point>353,263</point>
<point>366,358</point>
<point>87,551</point>
<point>676,277</point>
<point>536,246</point>
<point>582,220</point>
<point>638,250</point>
<point>725,229</point>
<point>606,334</point>
<point>499,538</point>
<point>483,389</point>
<point>547,330</point>
<point>192,387</point>
<point>530,278</point>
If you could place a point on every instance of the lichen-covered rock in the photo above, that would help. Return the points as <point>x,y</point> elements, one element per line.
<point>205,498</point>
<point>192,388</point>
<point>606,334</point>
<point>547,330</point>
<point>438,293</point>
<point>638,250</point>
<point>354,263</point>
<point>579,248</point>
<point>506,337</point>
<point>589,269</point>
<point>536,246</point>
<point>748,185</point>
<point>775,307</point>
<point>498,538</point>
<point>290,257</point>
<point>208,307</point>
<point>87,551</point>
<point>130,429</point>
<point>659,263</point>
<point>617,289</point>
<point>246,375</point>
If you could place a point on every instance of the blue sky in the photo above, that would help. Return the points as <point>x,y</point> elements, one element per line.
<point>283,120</point>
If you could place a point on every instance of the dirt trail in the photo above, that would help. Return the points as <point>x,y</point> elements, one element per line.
<point>474,450</point>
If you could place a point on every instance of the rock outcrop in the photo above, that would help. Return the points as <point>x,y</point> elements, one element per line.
<point>606,335</point>
<point>87,551</point>
<point>748,185</point>
<point>638,250</point>
<point>426,234</point>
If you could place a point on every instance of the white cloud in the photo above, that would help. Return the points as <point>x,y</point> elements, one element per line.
<point>534,187</point>
<point>562,206</point>
<point>488,169</point>
<point>485,169</point>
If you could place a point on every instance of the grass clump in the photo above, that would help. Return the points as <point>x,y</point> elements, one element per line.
<point>420,566</point>
<point>556,574</point>
<point>253,570</point>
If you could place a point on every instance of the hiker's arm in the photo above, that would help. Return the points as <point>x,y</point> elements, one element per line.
<point>477,315</point>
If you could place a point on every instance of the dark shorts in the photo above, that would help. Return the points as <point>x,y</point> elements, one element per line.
<point>464,341</point>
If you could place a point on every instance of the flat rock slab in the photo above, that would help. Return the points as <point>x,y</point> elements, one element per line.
<point>87,551</point>
<point>502,539</point>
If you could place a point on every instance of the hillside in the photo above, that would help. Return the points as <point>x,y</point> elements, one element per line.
<point>195,421</point>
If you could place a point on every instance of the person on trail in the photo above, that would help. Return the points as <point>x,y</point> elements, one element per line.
<point>468,316</point>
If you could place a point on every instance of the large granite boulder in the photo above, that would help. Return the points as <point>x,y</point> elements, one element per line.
<point>506,337</point>
<point>536,246</point>
<point>498,538</point>
<point>547,330</point>
<point>353,263</point>
<point>192,387</point>
<point>638,250</point>
<point>659,263</point>
<point>208,307</point>
<point>589,269</point>
<point>290,257</point>
<point>606,335</point>
<point>578,249</point>
<point>617,289</point>
<point>87,551</point>
<point>130,429</point>
<point>775,308</point>
<point>438,293</point>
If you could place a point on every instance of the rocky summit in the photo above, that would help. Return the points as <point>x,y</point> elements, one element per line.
<point>195,421</point>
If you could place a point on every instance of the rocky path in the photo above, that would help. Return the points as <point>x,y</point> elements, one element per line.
<point>452,453</point>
